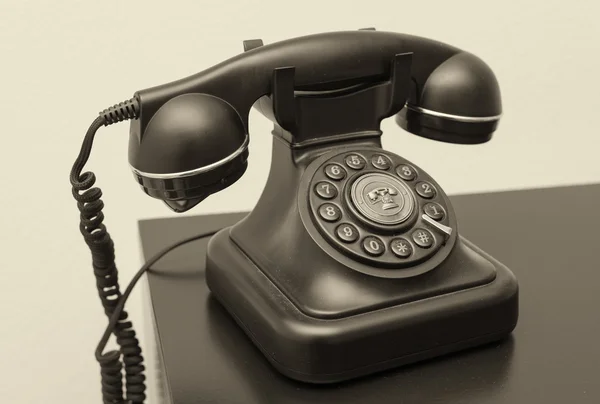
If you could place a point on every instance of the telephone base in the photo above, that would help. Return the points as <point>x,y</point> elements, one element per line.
<point>320,350</point>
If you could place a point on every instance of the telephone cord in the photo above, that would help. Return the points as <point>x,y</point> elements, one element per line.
<point>89,202</point>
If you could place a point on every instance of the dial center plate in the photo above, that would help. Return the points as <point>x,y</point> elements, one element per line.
<point>382,198</point>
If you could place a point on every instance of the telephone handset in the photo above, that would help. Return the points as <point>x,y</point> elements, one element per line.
<point>351,261</point>
<point>314,88</point>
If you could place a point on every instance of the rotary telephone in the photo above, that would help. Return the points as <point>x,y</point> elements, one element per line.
<point>351,262</point>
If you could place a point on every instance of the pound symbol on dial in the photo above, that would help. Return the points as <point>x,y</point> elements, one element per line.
<point>422,238</point>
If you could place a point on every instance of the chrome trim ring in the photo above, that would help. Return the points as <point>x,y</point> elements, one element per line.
<point>459,118</point>
<point>199,170</point>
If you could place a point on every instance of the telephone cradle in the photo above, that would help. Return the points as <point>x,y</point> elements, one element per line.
<point>351,262</point>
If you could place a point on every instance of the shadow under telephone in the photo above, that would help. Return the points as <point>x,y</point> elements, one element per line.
<point>351,262</point>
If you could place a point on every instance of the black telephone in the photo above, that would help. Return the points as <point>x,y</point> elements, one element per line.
<point>351,261</point>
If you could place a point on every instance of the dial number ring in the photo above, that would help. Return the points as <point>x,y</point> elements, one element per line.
<point>379,210</point>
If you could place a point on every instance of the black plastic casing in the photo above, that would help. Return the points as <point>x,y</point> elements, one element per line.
<point>318,321</point>
<point>318,316</point>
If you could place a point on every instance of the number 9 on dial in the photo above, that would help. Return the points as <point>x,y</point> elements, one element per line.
<point>347,233</point>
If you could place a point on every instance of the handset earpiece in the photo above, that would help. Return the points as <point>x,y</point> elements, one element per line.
<point>459,102</point>
<point>193,146</point>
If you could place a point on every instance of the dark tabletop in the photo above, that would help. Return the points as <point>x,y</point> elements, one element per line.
<point>548,237</point>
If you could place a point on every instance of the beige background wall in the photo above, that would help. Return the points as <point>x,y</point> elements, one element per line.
<point>62,61</point>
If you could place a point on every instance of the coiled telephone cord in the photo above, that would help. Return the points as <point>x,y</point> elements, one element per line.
<point>129,356</point>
